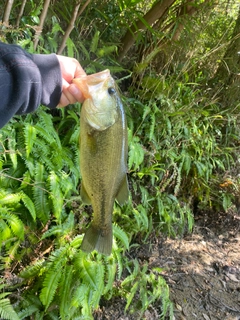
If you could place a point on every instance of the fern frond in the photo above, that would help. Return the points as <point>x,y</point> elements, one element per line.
<point>66,183</point>
<point>30,134</point>
<point>75,135</point>
<point>15,224</point>
<point>7,311</point>
<point>56,195</point>
<point>76,242</point>
<point>12,149</point>
<point>94,43</point>
<point>119,260</point>
<point>131,295</point>
<point>92,274</point>
<point>32,270</point>
<point>55,230</point>
<point>110,273</point>
<point>80,296</point>
<point>65,292</point>
<point>27,312</point>
<point>88,273</point>
<point>136,154</point>
<point>30,165</point>
<point>121,235</point>
<point>11,252</point>
<point>59,256</point>
<point>96,294</point>
<point>61,229</point>
<point>142,219</point>
<point>40,198</point>
<point>5,231</point>
<point>10,198</point>
<point>50,285</point>
<point>29,205</point>
<point>45,122</point>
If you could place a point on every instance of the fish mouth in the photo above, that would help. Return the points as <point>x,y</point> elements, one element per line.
<point>87,83</point>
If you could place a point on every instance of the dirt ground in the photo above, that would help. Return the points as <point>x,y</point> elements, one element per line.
<point>201,269</point>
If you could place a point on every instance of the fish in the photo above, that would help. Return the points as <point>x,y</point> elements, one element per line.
<point>103,156</point>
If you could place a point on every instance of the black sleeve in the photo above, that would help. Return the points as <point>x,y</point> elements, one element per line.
<point>26,81</point>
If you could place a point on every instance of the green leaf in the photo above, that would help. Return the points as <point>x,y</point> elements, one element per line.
<point>136,154</point>
<point>12,150</point>
<point>65,290</point>
<point>32,270</point>
<point>27,312</point>
<point>15,224</point>
<point>70,47</point>
<point>111,269</point>
<point>88,273</point>
<point>50,285</point>
<point>56,195</point>
<point>121,235</point>
<point>7,311</point>
<point>29,205</point>
<point>30,134</point>
<point>40,198</point>
<point>104,51</point>
<point>94,43</point>
<point>131,295</point>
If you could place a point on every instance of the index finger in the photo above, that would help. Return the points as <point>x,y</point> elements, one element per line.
<point>79,72</point>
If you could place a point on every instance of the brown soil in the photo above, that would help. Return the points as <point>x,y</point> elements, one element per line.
<point>201,269</point>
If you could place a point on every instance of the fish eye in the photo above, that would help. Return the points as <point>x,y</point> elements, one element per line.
<point>111,90</point>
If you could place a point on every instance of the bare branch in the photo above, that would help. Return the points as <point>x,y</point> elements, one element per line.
<point>154,14</point>
<point>42,19</point>
<point>21,12</point>
<point>7,11</point>
<point>70,27</point>
<point>187,10</point>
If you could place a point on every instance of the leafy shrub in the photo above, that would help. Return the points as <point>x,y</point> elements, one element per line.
<point>39,195</point>
<point>182,151</point>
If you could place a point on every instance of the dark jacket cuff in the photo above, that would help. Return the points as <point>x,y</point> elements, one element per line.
<point>49,68</point>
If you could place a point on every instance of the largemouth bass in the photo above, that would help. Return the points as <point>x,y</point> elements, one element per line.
<point>103,156</point>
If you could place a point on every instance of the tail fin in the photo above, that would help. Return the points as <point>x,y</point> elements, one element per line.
<point>98,239</point>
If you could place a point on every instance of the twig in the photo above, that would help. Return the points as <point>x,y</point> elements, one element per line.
<point>7,11</point>
<point>223,304</point>
<point>70,27</point>
<point>21,12</point>
<point>42,19</point>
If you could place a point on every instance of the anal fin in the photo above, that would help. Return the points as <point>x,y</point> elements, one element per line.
<point>123,192</point>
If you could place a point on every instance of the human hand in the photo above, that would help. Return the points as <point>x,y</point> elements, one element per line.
<point>70,69</point>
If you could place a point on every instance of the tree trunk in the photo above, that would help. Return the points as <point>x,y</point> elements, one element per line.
<point>154,14</point>
<point>228,74</point>
<point>187,10</point>
<point>20,13</point>
<point>42,19</point>
<point>7,11</point>
<point>173,30</point>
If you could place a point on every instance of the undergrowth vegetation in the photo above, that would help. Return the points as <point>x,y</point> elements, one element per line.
<point>182,158</point>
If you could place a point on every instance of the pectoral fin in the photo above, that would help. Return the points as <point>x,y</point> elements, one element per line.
<point>123,192</point>
<point>84,195</point>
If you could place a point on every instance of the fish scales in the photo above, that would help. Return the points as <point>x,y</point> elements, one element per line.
<point>103,163</point>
